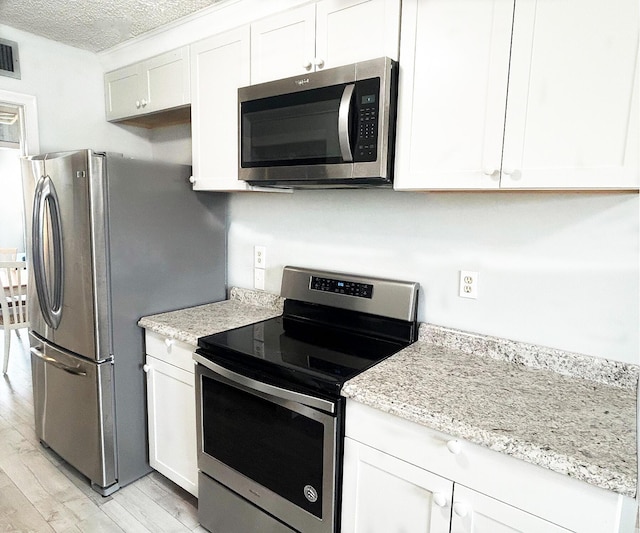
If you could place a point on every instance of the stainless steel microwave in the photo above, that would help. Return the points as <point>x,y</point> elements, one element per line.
<point>333,128</point>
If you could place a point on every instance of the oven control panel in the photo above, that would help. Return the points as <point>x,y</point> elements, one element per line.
<point>337,286</point>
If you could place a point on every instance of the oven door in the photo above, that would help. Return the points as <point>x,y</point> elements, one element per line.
<point>274,447</point>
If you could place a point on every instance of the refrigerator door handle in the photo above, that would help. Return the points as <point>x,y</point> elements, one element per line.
<point>50,301</point>
<point>70,369</point>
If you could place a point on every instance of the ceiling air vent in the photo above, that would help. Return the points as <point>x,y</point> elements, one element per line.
<point>9,64</point>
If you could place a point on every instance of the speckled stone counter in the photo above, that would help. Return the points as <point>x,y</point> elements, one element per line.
<point>243,307</point>
<point>572,414</point>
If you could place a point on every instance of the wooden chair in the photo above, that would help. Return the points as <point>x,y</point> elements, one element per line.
<point>13,301</point>
<point>8,254</point>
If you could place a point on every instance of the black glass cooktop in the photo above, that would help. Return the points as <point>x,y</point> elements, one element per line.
<point>302,355</point>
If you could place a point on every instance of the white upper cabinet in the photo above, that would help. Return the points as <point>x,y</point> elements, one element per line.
<point>219,65</point>
<point>327,34</point>
<point>570,70</point>
<point>572,112</point>
<point>283,45</point>
<point>348,31</point>
<point>452,93</point>
<point>157,84</point>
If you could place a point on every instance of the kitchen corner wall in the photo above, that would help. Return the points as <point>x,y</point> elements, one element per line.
<point>555,269</point>
<point>68,85</point>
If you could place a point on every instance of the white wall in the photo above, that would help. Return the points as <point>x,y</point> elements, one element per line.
<point>555,269</point>
<point>68,85</point>
<point>11,227</point>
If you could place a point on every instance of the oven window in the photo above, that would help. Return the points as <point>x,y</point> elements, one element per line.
<point>294,129</point>
<point>276,447</point>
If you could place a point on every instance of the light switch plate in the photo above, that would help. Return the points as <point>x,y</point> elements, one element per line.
<point>258,278</point>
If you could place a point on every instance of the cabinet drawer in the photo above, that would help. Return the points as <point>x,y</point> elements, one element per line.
<point>529,487</point>
<point>172,351</point>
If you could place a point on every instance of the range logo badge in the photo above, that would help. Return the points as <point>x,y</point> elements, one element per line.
<point>301,81</point>
<point>310,493</point>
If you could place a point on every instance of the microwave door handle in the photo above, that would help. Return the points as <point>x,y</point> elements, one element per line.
<point>343,123</point>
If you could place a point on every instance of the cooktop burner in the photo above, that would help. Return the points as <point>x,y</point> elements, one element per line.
<point>334,326</point>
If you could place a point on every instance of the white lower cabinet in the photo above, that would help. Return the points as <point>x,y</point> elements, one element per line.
<point>171,407</point>
<point>401,477</point>
<point>473,512</point>
<point>382,494</point>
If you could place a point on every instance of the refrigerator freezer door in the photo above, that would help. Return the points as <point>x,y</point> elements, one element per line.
<point>64,237</point>
<point>74,411</point>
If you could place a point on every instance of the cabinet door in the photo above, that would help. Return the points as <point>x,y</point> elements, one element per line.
<point>122,88</point>
<point>453,89</point>
<point>171,406</point>
<point>476,513</point>
<point>572,114</point>
<point>166,81</point>
<point>348,31</point>
<point>219,65</point>
<point>383,494</point>
<point>283,45</point>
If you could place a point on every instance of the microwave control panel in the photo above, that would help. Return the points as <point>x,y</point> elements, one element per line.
<point>367,106</point>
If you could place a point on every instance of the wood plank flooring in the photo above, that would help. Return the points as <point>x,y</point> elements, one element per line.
<point>41,493</point>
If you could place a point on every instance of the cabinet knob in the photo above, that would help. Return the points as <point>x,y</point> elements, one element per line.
<point>306,65</point>
<point>513,173</point>
<point>192,179</point>
<point>318,62</point>
<point>138,104</point>
<point>144,103</point>
<point>454,446</point>
<point>439,499</point>
<point>461,509</point>
<point>169,342</point>
<point>146,368</point>
<point>490,172</point>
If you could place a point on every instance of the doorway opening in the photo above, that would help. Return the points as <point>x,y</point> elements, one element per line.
<point>18,137</point>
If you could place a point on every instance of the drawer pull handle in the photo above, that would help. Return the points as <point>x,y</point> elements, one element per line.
<point>460,509</point>
<point>169,342</point>
<point>454,446</point>
<point>146,368</point>
<point>440,499</point>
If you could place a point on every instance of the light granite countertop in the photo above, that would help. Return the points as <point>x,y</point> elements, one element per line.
<point>243,307</point>
<point>569,413</point>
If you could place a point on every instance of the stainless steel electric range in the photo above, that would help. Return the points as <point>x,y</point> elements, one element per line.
<point>270,414</point>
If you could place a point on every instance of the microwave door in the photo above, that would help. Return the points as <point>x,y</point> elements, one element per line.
<point>297,129</point>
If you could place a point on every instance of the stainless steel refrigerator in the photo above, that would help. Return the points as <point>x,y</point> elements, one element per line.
<point>110,239</point>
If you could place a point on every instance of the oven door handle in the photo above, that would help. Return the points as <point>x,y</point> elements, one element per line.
<point>265,388</point>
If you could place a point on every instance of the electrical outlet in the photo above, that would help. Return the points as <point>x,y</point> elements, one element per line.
<point>468,284</point>
<point>258,278</point>
<point>260,257</point>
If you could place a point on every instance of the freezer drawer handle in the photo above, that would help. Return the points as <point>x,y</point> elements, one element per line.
<point>70,369</point>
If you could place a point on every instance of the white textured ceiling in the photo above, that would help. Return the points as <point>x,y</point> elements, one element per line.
<point>94,24</point>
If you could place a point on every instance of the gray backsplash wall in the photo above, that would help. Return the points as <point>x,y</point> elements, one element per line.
<point>555,269</point>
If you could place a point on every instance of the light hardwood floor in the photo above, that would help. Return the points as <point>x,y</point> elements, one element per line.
<point>41,493</point>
